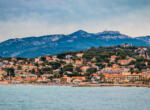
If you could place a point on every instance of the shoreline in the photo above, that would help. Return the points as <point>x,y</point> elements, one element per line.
<point>81,85</point>
<point>112,85</point>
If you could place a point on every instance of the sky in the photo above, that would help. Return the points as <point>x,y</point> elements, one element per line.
<point>25,18</point>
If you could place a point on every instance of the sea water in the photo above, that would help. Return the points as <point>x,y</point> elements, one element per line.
<point>73,98</point>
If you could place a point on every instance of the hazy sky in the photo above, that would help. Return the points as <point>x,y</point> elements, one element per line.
<point>21,18</point>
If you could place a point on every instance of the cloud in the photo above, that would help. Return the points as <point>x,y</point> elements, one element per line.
<point>20,18</point>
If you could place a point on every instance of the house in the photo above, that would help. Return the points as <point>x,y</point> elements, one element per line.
<point>80,55</point>
<point>17,79</point>
<point>95,74</point>
<point>124,62</point>
<point>28,67</point>
<point>131,59</point>
<point>126,73</point>
<point>39,80</point>
<point>42,80</point>
<point>56,80</point>
<point>146,71</point>
<point>78,62</point>
<point>65,79</point>
<point>113,58</point>
<point>124,69</point>
<point>37,59</point>
<point>134,76</point>
<point>28,77</point>
<point>20,61</point>
<point>94,66</point>
<point>82,74</point>
<point>95,78</point>
<point>45,77</point>
<point>78,79</point>
<point>68,61</point>
<point>131,66</point>
<point>68,72</point>
<point>56,71</point>
<point>146,63</point>
<point>40,62</point>
<point>106,64</point>
<point>114,78</point>
<point>48,58</point>
<point>148,76</point>
<point>68,56</point>
<point>84,68</point>
<point>5,62</point>
<point>126,45</point>
<point>4,82</point>
<point>2,72</point>
<point>54,57</point>
<point>115,66</point>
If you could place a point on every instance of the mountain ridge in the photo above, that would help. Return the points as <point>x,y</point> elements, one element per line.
<point>57,43</point>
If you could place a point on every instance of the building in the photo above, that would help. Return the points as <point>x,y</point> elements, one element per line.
<point>114,78</point>
<point>112,70</point>
<point>115,66</point>
<point>65,79</point>
<point>113,58</point>
<point>80,55</point>
<point>37,59</point>
<point>56,80</point>
<point>17,79</point>
<point>84,68</point>
<point>28,77</point>
<point>95,78</point>
<point>46,77</point>
<point>68,56</point>
<point>148,76</point>
<point>78,62</point>
<point>39,80</point>
<point>4,82</point>
<point>124,62</point>
<point>134,76</point>
<point>1,77</point>
<point>78,79</point>
<point>48,58</point>
<point>54,58</point>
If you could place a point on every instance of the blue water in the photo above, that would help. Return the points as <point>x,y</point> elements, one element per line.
<point>73,98</point>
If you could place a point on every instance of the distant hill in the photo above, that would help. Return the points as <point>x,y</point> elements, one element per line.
<point>53,44</point>
<point>146,39</point>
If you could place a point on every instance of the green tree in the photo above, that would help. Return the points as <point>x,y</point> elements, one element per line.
<point>10,72</point>
<point>19,67</point>
<point>100,65</point>
<point>55,65</point>
<point>68,67</point>
<point>43,59</point>
<point>91,71</point>
<point>33,71</point>
<point>122,55</point>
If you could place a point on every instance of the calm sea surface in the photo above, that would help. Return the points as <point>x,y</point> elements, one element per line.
<point>73,98</point>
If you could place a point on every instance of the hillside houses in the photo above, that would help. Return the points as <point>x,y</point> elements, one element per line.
<point>101,65</point>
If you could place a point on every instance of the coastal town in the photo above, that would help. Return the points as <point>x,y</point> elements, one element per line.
<point>123,64</point>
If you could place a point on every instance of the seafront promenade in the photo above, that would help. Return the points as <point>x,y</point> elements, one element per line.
<point>111,85</point>
<point>81,85</point>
